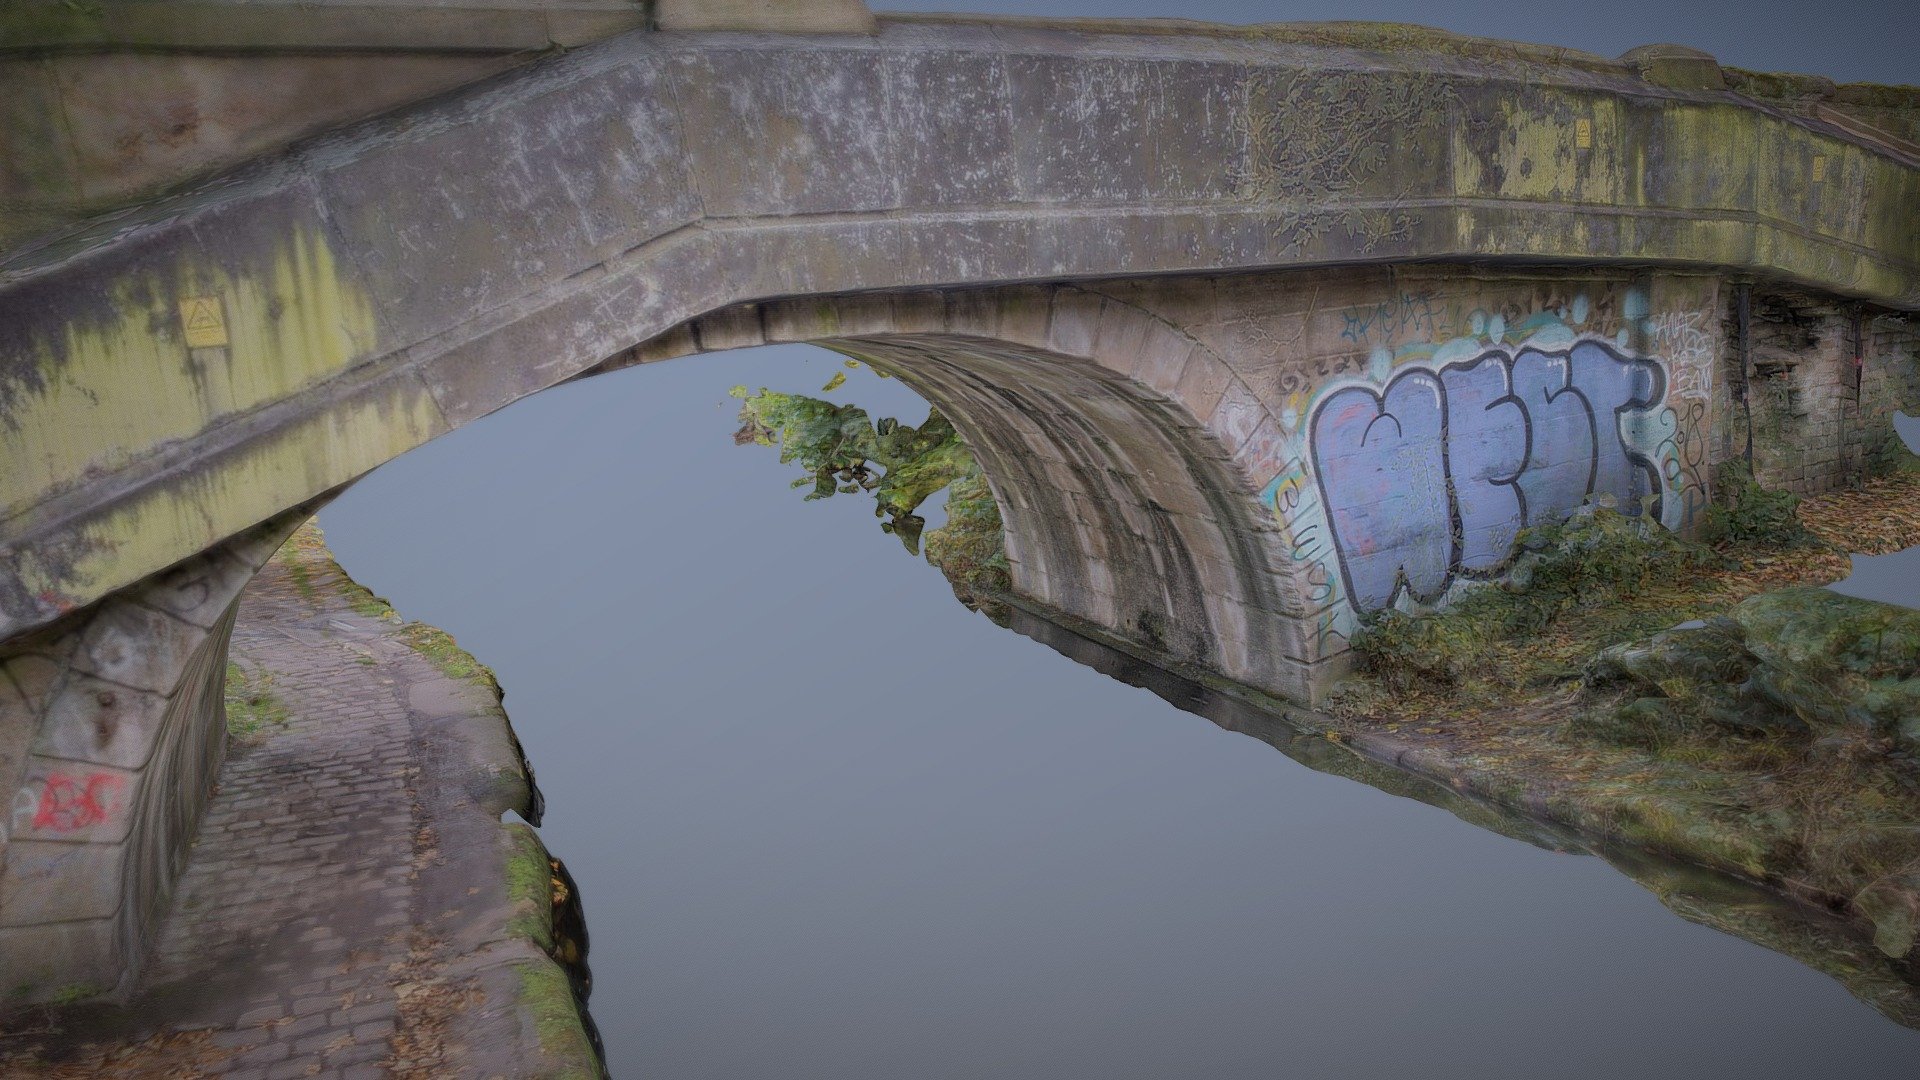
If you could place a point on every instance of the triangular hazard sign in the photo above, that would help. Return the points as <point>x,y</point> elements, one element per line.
<point>202,316</point>
<point>204,321</point>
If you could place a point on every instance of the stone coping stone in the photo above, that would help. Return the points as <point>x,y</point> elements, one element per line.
<point>313,25</point>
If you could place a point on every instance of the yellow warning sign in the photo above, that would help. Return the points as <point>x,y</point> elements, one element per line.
<point>1819,168</point>
<point>1583,134</point>
<point>204,322</point>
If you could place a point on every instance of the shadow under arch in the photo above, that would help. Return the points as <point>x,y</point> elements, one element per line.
<point>1121,506</point>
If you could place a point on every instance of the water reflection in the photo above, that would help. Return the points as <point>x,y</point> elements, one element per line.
<point>828,824</point>
<point>1810,935</point>
<point>843,451</point>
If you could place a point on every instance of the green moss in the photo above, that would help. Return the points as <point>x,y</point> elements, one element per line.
<point>970,549</point>
<point>439,647</point>
<point>251,702</point>
<point>529,878</point>
<point>302,576</point>
<point>1795,664</point>
<point>74,993</point>
<point>546,993</point>
<point>363,601</point>
<point>1802,702</point>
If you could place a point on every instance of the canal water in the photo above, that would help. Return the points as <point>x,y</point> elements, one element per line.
<point>827,823</point>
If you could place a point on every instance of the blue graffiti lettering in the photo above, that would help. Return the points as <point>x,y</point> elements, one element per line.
<point>1436,475</point>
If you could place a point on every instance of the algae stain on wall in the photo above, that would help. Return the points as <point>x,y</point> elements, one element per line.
<point>191,511</point>
<point>120,377</point>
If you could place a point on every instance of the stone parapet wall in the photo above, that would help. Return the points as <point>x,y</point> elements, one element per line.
<point>109,103</point>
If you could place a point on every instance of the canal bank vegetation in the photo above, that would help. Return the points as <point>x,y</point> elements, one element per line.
<point>251,703</point>
<point>310,566</point>
<point>1706,699</point>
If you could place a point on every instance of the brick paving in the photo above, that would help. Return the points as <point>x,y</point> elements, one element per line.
<point>299,886</point>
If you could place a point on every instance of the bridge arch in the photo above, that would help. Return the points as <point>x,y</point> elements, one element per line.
<point>194,366</point>
<point>1112,439</point>
<point>1121,508</point>
<point>180,381</point>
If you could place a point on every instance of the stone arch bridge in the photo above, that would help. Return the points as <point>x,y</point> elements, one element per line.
<point>1253,329</point>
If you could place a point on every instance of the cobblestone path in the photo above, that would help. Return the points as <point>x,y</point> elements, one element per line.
<point>299,891</point>
<point>321,928</point>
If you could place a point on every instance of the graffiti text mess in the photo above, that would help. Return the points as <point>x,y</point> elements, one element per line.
<point>1433,476</point>
<point>68,803</point>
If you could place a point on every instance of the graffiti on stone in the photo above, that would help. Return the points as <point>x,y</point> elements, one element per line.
<point>1408,314</point>
<point>1689,347</point>
<point>1436,475</point>
<point>25,802</point>
<point>1310,555</point>
<point>1417,473</point>
<point>69,803</point>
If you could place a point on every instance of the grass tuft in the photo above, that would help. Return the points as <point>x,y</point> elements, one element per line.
<point>251,702</point>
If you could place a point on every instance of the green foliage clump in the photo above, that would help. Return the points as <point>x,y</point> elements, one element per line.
<point>1595,557</point>
<point>1745,513</point>
<point>845,453</point>
<point>969,549</point>
<point>840,448</point>
<point>1801,665</point>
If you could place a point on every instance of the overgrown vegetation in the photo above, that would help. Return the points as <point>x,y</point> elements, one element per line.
<point>1705,700</point>
<point>1813,699</point>
<point>446,654</point>
<point>1808,665</point>
<point>844,452</point>
<point>1745,513</point>
<point>1594,559</point>
<point>251,702</point>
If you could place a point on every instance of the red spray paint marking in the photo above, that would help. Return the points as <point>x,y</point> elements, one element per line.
<point>68,803</point>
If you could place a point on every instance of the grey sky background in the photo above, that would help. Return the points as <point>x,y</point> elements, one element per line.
<point>827,823</point>
<point>1848,40</point>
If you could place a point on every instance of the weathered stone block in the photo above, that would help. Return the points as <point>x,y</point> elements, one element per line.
<point>91,720</point>
<point>594,170</point>
<point>45,882</point>
<point>734,328</point>
<point>199,591</point>
<point>137,646</point>
<point>794,108</point>
<point>78,956</point>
